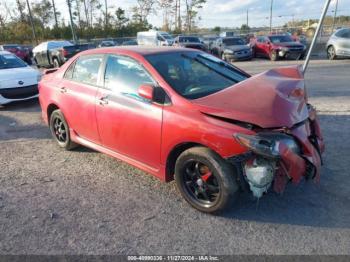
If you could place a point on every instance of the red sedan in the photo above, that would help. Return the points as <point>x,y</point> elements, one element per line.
<point>183,114</point>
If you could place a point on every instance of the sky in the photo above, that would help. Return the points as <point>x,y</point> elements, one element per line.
<point>233,13</point>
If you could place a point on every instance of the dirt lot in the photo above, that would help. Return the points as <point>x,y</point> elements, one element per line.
<point>84,202</point>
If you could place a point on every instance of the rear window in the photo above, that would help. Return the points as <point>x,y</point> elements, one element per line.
<point>85,70</point>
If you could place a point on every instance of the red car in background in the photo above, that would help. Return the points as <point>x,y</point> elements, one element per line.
<point>277,47</point>
<point>183,114</point>
<point>18,50</point>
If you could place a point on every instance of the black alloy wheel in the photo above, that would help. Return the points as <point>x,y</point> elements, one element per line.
<point>60,130</point>
<point>205,180</point>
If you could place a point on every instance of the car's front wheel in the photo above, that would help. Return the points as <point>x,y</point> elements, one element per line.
<point>273,55</point>
<point>55,63</point>
<point>60,130</point>
<point>331,53</point>
<point>205,180</point>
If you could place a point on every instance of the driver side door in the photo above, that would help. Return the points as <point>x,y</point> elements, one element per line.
<point>129,124</point>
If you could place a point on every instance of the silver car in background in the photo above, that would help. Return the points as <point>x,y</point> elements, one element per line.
<point>338,44</point>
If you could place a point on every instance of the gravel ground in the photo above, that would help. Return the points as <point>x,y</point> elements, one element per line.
<point>84,202</point>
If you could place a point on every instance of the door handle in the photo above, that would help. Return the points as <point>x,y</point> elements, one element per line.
<point>63,90</point>
<point>103,100</point>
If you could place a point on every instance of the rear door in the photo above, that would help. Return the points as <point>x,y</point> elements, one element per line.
<point>78,93</point>
<point>127,123</point>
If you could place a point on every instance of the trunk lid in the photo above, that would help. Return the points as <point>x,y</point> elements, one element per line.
<point>273,99</point>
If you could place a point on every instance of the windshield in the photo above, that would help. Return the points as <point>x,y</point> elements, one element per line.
<point>233,41</point>
<point>189,39</point>
<point>193,74</point>
<point>10,61</point>
<point>280,39</point>
<point>166,36</point>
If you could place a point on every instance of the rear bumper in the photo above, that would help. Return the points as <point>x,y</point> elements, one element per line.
<point>8,95</point>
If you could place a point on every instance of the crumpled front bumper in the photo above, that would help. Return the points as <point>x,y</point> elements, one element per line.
<point>294,166</point>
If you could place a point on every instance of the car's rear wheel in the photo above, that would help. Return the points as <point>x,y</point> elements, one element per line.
<point>331,53</point>
<point>205,180</point>
<point>60,130</point>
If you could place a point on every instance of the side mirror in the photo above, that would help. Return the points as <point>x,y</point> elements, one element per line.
<point>146,91</point>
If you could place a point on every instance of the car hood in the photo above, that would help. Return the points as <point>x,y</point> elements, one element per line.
<point>237,47</point>
<point>14,77</point>
<point>275,98</point>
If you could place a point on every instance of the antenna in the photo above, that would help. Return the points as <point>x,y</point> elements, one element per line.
<point>318,29</point>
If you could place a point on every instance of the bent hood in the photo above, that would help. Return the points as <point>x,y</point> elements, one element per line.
<point>275,98</point>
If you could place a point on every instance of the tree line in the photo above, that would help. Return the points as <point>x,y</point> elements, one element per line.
<point>93,19</point>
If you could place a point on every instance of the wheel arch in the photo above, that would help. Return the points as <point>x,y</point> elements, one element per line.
<point>51,107</point>
<point>175,153</point>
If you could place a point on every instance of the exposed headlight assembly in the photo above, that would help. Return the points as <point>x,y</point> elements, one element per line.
<point>267,144</point>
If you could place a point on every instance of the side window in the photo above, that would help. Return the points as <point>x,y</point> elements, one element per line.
<point>346,34</point>
<point>86,69</point>
<point>125,75</point>
<point>69,72</point>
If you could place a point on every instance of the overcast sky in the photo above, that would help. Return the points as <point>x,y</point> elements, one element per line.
<point>233,12</point>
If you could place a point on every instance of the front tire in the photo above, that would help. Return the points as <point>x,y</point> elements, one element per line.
<point>60,130</point>
<point>273,56</point>
<point>55,63</point>
<point>205,180</point>
<point>331,53</point>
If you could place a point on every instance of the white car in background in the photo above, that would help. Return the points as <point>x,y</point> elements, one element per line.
<point>18,81</point>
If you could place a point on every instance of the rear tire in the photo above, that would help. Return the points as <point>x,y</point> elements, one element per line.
<point>205,180</point>
<point>60,130</point>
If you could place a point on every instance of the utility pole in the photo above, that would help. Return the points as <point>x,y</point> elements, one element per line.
<point>271,16</point>
<point>106,8</point>
<point>54,12</point>
<point>335,15</point>
<point>71,20</point>
<point>32,23</point>
<point>318,29</point>
<point>247,18</point>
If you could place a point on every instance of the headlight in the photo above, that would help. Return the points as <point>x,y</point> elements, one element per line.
<point>267,144</point>
<point>284,49</point>
<point>228,51</point>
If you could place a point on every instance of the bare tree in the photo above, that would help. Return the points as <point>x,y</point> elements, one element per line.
<point>142,10</point>
<point>167,8</point>
<point>192,7</point>
<point>20,7</point>
<point>55,13</point>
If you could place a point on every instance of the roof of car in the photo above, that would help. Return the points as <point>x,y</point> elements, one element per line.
<point>140,50</point>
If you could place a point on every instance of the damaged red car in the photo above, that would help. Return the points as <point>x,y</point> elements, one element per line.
<point>184,114</point>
